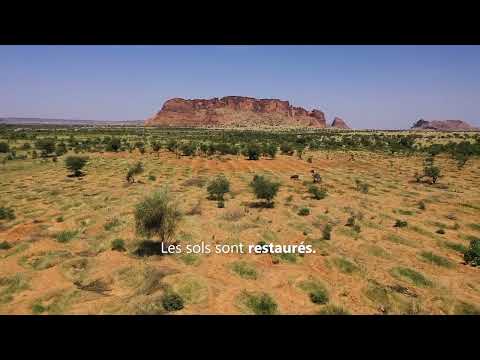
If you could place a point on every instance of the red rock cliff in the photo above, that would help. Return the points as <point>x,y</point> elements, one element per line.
<point>237,111</point>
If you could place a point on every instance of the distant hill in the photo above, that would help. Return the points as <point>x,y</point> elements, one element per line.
<point>238,111</point>
<point>443,125</point>
<point>43,121</point>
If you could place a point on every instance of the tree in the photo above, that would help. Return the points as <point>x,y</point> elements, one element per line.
<point>114,145</point>
<point>432,172</point>
<point>218,187</point>
<point>270,150</point>
<point>157,215</point>
<point>4,148</point>
<point>172,145</point>
<point>264,189</point>
<point>252,151</point>
<point>188,149</point>
<point>286,149</point>
<point>136,169</point>
<point>156,146</point>
<point>317,193</point>
<point>46,146</point>
<point>75,164</point>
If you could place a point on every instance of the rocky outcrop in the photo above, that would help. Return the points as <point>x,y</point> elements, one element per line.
<point>442,125</point>
<point>235,111</point>
<point>339,123</point>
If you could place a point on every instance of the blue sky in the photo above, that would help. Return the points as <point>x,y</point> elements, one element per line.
<point>369,86</point>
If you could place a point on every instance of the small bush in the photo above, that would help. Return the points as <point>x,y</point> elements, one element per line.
<point>262,304</point>
<point>152,177</point>
<point>362,186</point>
<point>4,148</point>
<point>286,149</point>
<point>304,211</point>
<point>118,245</point>
<point>157,215</point>
<point>400,223</point>
<point>432,172</point>
<point>421,205</point>
<point>317,193</point>
<point>252,151</point>
<point>134,170</point>
<point>351,221</point>
<point>172,302</point>
<point>5,245</point>
<point>75,164</point>
<point>440,231</point>
<point>327,232</point>
<point>472,255</point>
<point>218,187</point>
<point>7,213</point>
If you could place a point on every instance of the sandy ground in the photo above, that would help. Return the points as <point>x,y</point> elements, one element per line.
<point>39,274</point>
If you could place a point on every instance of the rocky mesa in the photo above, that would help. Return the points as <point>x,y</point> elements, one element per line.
<point>236,111</point>
<point>442,125</point>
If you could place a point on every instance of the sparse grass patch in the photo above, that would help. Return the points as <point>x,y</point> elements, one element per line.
<point>411,276</point>
<point>9,286</point>
<point>436,259</point>
<point>463,308</point>
<point>44,260</point>
<point>259,304</point>
<point>190,259</point>
<point>118,245</point>
<point>333,310</point>
<point>346,266</point>
<point>244,270</point>
<point>111,224</point>
<point>456,246</point>
<point>66,235</point>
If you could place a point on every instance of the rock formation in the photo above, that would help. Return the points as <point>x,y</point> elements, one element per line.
<point>235,111</point>
<point>338,123</point>
<point>442,125</point>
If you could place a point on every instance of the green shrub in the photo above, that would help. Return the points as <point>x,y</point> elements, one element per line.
<point>436,259</point>
<point>218,187</point>
<point>118,245</point>
<point>400,223</point>
<point>66,235</point>
<point>286,149</point>
<point>472,255</point>
<point>188,149</point>
<point>264,189</point>
<point>317,193</point>
<point>362,186</point>
<point>172,302</point>
<point>421,205</point>
<point>46,146</point>
<point>270,150</point>
<point>432,172</point>
<point>326,232</point>
<point>304,211</point>
<point>252,151</point>
<point>7,213</point>
<point>262,304</point>
<point>135,169</point>
<point>5,245</point>
<point>412,276</point>
<point>75,164</point>
<point>4,148</point>
<point>351,221</point>
<point>157,215</point>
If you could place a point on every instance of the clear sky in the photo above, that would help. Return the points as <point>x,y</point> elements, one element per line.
<point>369,86</point>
